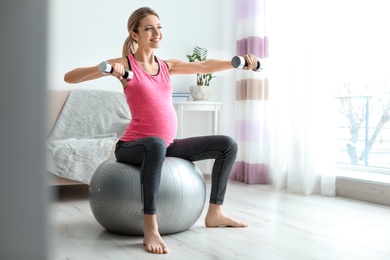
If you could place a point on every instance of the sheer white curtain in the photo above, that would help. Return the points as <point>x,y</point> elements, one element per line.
<point>292,141</point>
<point>302,97</point>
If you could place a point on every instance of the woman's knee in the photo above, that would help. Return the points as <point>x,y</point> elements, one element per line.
<point>155,144</point>
<point>230,144</point>
<point>230,141</point>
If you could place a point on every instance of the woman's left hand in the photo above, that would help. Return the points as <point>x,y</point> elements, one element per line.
<point>252,62</point>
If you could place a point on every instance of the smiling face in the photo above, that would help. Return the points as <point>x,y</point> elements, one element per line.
<point>148,33</point>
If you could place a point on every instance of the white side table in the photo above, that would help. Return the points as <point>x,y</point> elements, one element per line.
<point>181,106</point>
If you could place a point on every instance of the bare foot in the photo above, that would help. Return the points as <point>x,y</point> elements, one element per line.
<point>216,218</point>
<point>152,238</point>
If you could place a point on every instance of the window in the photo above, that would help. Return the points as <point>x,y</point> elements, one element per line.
<point>362,85</point>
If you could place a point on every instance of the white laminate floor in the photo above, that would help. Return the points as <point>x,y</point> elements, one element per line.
<point>282,226</point>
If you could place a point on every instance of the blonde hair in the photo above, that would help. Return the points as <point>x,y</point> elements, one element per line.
<point>130,45</point>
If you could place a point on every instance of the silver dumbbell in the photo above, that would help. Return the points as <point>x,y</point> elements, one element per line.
<point>106,68</point>
<point>239,62</point>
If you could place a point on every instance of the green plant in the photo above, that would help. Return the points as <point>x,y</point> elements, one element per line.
<point>200,54</point>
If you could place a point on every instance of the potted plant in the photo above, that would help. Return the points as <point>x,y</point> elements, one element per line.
<point>202,90</point>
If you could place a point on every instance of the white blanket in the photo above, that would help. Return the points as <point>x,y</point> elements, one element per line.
<point>85,132</point>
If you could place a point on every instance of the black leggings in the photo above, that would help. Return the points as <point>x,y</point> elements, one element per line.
<point>150,152</point>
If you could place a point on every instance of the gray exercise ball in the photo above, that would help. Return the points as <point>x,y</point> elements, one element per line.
<point>115,196</point>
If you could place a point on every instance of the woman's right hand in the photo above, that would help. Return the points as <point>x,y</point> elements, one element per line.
<point>118,70</point>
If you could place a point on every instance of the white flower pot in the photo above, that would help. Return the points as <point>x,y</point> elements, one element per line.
<point>199,93</point>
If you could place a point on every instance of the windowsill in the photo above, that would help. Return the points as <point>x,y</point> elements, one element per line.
<point>368,177</point>
<point>365,186</point>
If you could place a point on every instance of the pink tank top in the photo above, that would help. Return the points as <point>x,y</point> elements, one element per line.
<point>150,101</point>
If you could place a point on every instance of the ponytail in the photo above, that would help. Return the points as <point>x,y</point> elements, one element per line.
<point>129,46</point>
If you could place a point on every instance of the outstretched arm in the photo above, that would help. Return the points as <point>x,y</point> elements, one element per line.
<point>207,66</point>
<point>81,74</point>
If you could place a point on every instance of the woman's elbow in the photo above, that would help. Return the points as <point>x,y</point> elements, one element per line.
<point>68,79</point>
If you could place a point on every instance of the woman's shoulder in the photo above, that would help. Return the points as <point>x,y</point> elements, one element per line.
<point>161,61</point>
<point>171,63</point>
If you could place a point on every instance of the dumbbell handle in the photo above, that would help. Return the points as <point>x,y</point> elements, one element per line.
<point>106,68</point>
<point>239,62</point>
